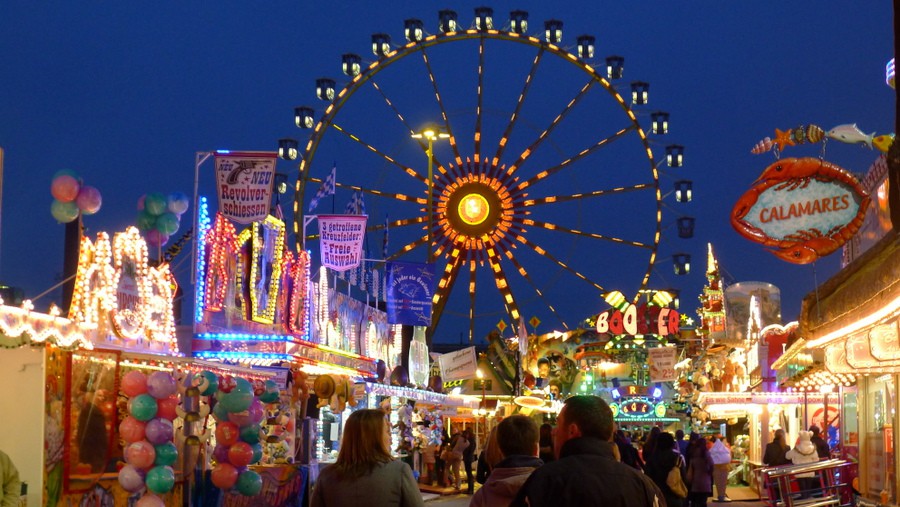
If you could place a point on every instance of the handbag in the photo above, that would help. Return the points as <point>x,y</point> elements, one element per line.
<point>674,482</point>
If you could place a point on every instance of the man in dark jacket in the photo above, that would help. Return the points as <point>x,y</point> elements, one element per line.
<point>586,472</point>
<point>822,448</point>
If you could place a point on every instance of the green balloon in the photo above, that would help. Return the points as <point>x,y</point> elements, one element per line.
<point>213,382</point>
<point>249,483</point>
<point>145,221</point>
<point>167,223</point>
<point>271,394</point>
<point>242,385</point>
<point>155,203</point>
<point>143,407</point>
<point>161,479</point>
<point>257,453</point>
<point>219,412</point>
<point>250,434</point>
<point>166,454</point>
<point>236,401</point>
<point>64,212</point>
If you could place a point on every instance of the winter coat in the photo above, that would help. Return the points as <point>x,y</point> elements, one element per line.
<point>505,480</point>
<point>658,469</point>
<point>822,448</point>
<point>700,471</point>
<point>587,474</point>
<point>389,484</point>
<point>459,447</point>
<point>804,453</point>
<point>776,455</point>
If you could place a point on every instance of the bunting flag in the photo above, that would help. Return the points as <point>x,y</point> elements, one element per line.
<point>327,188</point>
<point>384,241</point>
<point>356,205</point>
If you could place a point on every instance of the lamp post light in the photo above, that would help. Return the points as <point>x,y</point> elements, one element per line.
<point>480,375</point>
<point>430,133</point>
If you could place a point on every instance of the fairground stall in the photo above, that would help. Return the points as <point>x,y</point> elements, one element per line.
<point>853,320</point>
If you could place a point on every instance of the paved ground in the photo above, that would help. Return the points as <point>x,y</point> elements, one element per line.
<point>742,497</point>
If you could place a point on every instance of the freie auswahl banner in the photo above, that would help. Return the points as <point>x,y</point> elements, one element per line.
<point>244,184</point>
<point>341,240</point>
<point>409,289</point>
<point>458,365</point>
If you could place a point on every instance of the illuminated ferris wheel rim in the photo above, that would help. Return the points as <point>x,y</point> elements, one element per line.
<point>455,232</point>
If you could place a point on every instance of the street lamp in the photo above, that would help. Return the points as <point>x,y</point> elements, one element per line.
<point>430,133</point>
<point>480,376</point>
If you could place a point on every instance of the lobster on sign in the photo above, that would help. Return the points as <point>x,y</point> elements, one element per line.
<point>802,246</point>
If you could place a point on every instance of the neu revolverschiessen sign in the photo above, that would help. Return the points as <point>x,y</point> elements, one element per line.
<point>244,183</point>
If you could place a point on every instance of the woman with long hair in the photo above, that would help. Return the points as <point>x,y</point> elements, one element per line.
<point>699,473</point>
<point>661,463</point>
<point>365,473</point>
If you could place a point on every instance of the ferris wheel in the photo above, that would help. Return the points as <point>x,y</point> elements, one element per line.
<point>517,166</point>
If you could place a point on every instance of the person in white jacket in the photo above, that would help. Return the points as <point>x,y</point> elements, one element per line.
<point>721,458</point>
<point>804,452</point>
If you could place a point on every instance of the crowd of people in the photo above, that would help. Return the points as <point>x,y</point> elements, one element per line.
<point>582,460</point>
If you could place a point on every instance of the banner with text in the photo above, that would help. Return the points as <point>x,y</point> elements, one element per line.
<point>244,184</point>
<point>662,364</point>
<point>341,240</point>
<point>459,365</point>
<point>409,289</point>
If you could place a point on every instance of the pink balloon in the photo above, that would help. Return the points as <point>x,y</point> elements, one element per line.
<point>150,501</point>
<point>224,476</point>
<point>256,411</point>
<point>220,454</point>
<point>64,188</point>
<point>134,383</point>
<point>240,418</point>
<point>140,203</point>
<point>131,478</point>
<point>240,454</point>
<point>156,238</point>
<point>89,200</point>
<point>165,408</point>
<point>161,384</point>
<point>132,430</point>
<point>140,454</point>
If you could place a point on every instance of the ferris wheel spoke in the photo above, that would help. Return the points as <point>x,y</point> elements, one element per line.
<point>379,193</point>
<point>480,107</point>
<point>408,170</point>
<point>472,271</point>
<point>444,116</point>
<point>569,161</point>
<point>546,133</point>
<point>541,251</point>
<point>502,284</point>
<point>521,270</point>
<point>391,105</point>
<point>409,247</point>
<point>444,287</point>
<point>515,115</point>
<point>596,193</point>
<point>555,227</point>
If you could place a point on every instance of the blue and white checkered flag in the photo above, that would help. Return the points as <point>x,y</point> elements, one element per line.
<point>356,205</point>
<point>327,188</point>
<point>384,241</point>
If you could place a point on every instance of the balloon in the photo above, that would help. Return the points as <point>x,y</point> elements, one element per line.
<point>131,478</point>
<point>249,483</point>
<point>155,203</point>
<point>64,212</point>
<point>64,188</point>
<point>219,412</point>
<point>178,203</point>
<point>140,454</point>
<point>271,393</point>
<point>240,454</point>
<point>226,384</point>
<point>224,476</point>
<point>159,431</point>
<point>211,382</point>
<point>220,454</point>
<point>236,401</point>
<point>399,377</point>
<point>166,454</point>
<point>160,479</point>
<point>66,172</point>
<point>145,221</point>
<point>166,408</point>
<point>155,239</point>
<point>167,223</point>
<point>131,430</point>
<point>257,453</point>
<point>161,384</point>
<point>142,407</point>
<point>240,419</point>
<point>150,501</point>
<point>89,200</point>
<point>250,434</point>
<point>257,411</point>
<point>227,433</point>
<point>242,385</point>
<point>134,383</point>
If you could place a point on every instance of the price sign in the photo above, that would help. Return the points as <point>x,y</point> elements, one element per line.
<point>662,364</point>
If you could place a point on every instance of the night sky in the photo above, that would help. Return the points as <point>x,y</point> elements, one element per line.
<point>126,93</point>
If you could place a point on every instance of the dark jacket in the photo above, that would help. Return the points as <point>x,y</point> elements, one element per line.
<point>775,455</point>
<point>700,469</point>
<point>587,474</point>
<point>505,480</point>
<point>658,469</point>
<point>822,448</point>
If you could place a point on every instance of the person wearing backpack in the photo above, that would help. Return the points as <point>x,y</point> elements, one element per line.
<point>660,465</point>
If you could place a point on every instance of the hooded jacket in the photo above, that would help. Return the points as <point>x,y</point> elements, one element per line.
<point>804,452</point>
<point>505,480</point>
